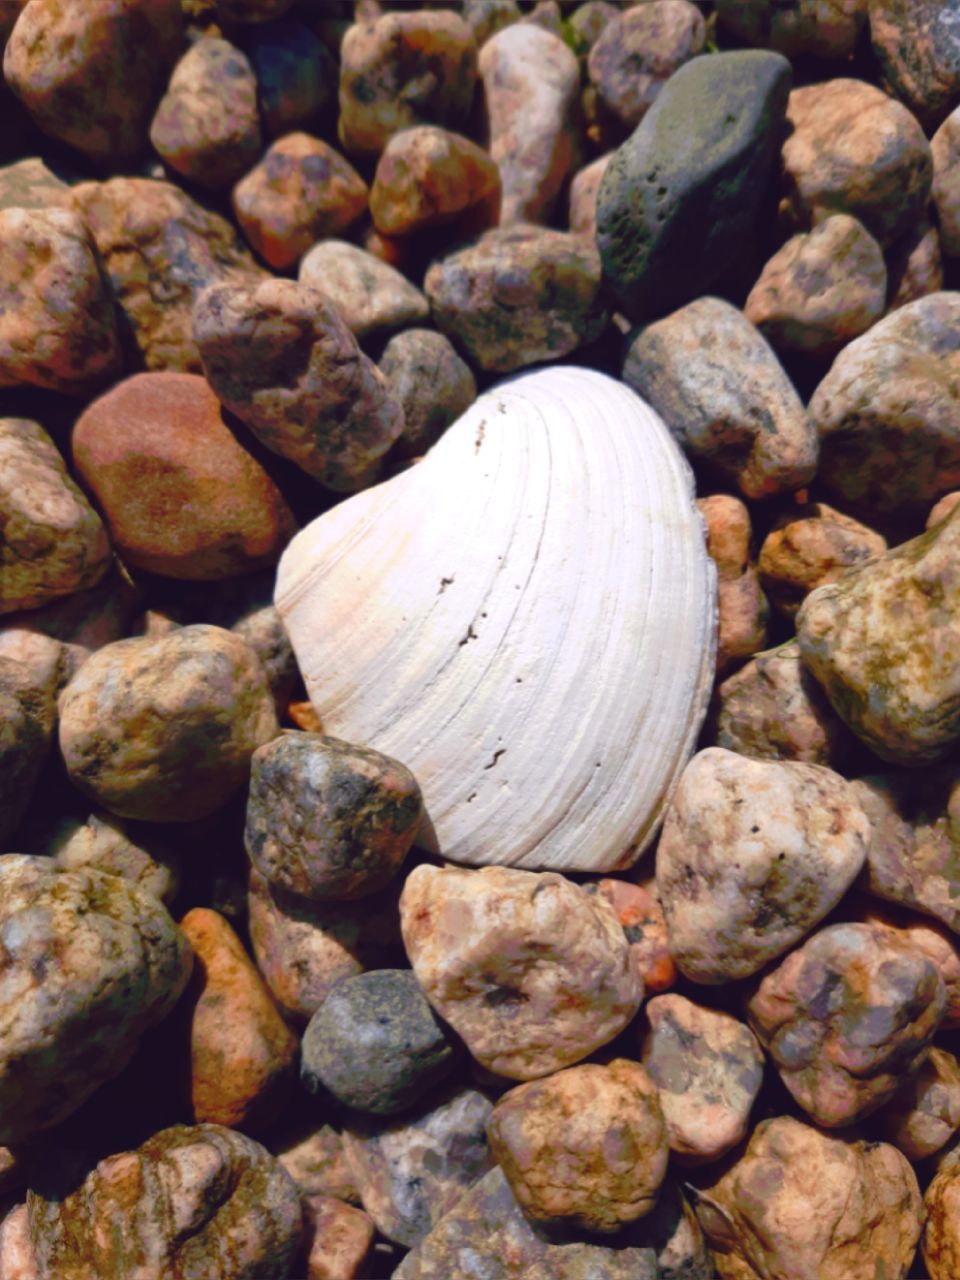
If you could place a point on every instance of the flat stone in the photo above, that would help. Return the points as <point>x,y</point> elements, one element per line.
<point>743,612</point>
<point>809,546</point>
<point>430,382</point>
<point>372,297</point>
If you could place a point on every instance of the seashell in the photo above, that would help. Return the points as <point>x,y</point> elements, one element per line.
<point>526,619</point>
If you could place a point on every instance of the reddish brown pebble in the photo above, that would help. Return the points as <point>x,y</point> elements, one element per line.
<point>941,1235</point>
<point>914,264</point>
<point>742,608</point>
<point>313,1156</point>
<point>808,546</point>
<point>917,44</point>
<point>645,927</point>
<point>339,1239</point>
<point>426,176</point>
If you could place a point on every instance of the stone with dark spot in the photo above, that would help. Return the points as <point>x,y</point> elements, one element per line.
<point>680,199</point>
<point>295,72</point>
<point>426,177</point>
<point>917,44</point>
<point>645,928</point>
<point>376,1044</point>
<point>104,843</point>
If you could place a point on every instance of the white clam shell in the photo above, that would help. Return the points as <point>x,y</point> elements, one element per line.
<point>526,619</point>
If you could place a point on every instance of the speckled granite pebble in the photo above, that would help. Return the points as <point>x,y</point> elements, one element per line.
<point>371,296</point>
<point>431,384</point>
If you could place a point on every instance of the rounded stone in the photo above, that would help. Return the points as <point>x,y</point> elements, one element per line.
<point>430,382</point>
<point>645,928</point>
<point>914,264</point>
<point>809,546</point>
<point>917,44</point>
<point>945,147</point>
<point>163,729</point>
<point>425,177</point>
<point>372,298</point>
<point>326,819</point>
<point>376,1044</point>
<point>941,1235</point>
<point>742,609</point>
<point>181,495</point>
<point>586,1148</point>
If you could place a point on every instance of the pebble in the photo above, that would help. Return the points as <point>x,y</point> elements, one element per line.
<point>376,1044</point>
<point>808,546</point>
<point>708,1068</point>
<point>845,1017</point>
<point>58,327</point>
<point>108,844</point>
<point>163,729</point>
<point>340,1239</point>
<point>426,177</point>
<point>90,74</point>
<point>54,543</point>
<point>300,191</point>
<point>888,437</point>
<point>644,926</point>
<point>90,964</point>
<point>945,146</point>
<point>934,941</point>
<point>917,45</point>
<point>181,495</point>
<point>742,609</point>
<point>529,970</point>
<point>773,709</point>
<point>585,1148</point>
<point>583,196</point>
<point>33,184</point>
<point>925,1113</point>
<point>404,68</point>
<point>821,290</point>
<point>27,720</point>
<point>739,414</point>
<point>940,1245</point>
<point>411,1172</point>
<point>296,75</point>
<point>518,295</point>
<point>752,855</point>
<point>242,1054</point>
<point>531,85</point>
<point>430,382</point>
<point>160,248</point>
<point>700,159</point>
<point>303,949</point>
<point>854,150</point>
<point>637,53</point>
<point>802,27</point>
<point>313,1156</point>
<point>280,357</point>
<point>372,298</point>
<point>207,126</point>
<point>914,265</point>
<point>193,1200</point>
<point>486,17</point>
<point>802,1203</point>
<point>891,673</point>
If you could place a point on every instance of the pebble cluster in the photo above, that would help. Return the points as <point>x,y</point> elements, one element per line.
<point>258,255</point>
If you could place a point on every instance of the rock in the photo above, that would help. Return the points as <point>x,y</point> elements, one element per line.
<point>773,709</point>
<point>845,1017</point>
<point>296,75</point>
<point>941,1236</point>
<point>372,298</point>
<point>27,720</point>
<point>411,1172</point>
<point>821,290</point>
<point>417,66</point>
<point>738,414</point>
<point>262,629</point>
<point>33,184</point>
<point>300,191</point>
<point>486,17</point>
<point>637,52</point>
<point>854,150</point>
<point>752,855</point>
<point>925,1113</point>
<point>192,1200</point>
<point>942,509</point>
<point>583,194</point>
<point>280,357</point>
<point>531,83</point>
<point>742,608</point>
<point>487,1229</point>
<point>181,495</point>
<point>375,1043</point>
<point>163,729</point>
<point>917,44</point>
<point>518,295</point>
<point>585,1148</point>
<point>888,439</point>
<point>18,1259</point>
<point>58,329</point>
<point>89,74</point>
<point>313,1156</point>
<point>326,819</point>
<point>891,673</point>
<point>680,199</point>
<point>708,1068</point>
<point>828,30</point>
<point>912,856</point>
<point>931,939</point>
<point>529,970</point>
<point>160,249</point>
<point>914,265</point>
<point>808,546</point>
<point>802,1203</point>
<point>430,382</point>
<point>242,1054</point>
<point>108,844</point>
<point>54,543</point>
<point>945,147</point>
<point>340,1239</point>
<point>90,963</point>
<point>207,126</point>
<point>426,177</point>
<point>644,926</point>
<point>303,949</point>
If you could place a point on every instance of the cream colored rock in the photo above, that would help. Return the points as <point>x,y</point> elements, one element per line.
<point>525,620</point>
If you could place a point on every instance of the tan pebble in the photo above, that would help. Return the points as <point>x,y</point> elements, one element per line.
<point>313,1156</point>
<point>583,196</point>
<point>370,295</point>
<point>742,608</point>
<point>940,510</point>
<point>809,546</point>
<point>425,177</point>
<point>941,1235</point>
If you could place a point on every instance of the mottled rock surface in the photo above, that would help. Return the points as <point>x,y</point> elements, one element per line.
<point>941,1235</point>
<point>280,357</point>
<point>27,719</point>
<point>163,729</point>
<point>845,1017</point>
<point>371,296</point>
<point>917,44</point>
<point>753,853</point>
<point>722,392</point>
<point>33,183</point>
<point>529,970</point>
<point>108,844</point>
<point>313,1156</point>
<point>340,1238</point>
<point>914,264</point>
<point>645,927</point>
<point>809,546</point>
<point>945,146</point>
<point>430,382</point>
<point>426,177</point>
<point>925,1113</point>
<point>742,609</point>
